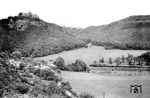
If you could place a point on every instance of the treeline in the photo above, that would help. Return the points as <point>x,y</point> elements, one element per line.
<point>145,57</point>
<point>129,61</point>
<point>123,46</point>
<point>78,66</point>
<point>45,50</point>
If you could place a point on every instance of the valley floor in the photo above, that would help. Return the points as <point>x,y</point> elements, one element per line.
<point>88,55</point>
<point>108,86</point>
<point>100,85</point>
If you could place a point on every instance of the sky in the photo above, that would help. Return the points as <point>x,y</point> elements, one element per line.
<point>76,13</point>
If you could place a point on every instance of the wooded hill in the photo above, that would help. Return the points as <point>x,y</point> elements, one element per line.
<point>129,33</point>
<point>35,37</point>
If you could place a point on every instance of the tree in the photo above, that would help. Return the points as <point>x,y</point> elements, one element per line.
<point>101,60</point>
<point>145,57</point>
<point>130,59</point>
<point>60,63</point>
<point>80,64</point>
<point>118,61</point>
<point>95,62</point>
<point>20,14</point>
<point>110,61</point>
<point>123,59</point>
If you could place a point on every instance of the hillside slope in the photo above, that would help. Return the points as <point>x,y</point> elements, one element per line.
<point>34,37</point>
<point>129,33</point>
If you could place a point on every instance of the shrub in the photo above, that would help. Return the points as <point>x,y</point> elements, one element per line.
<point>46,74</point>
<point>52,88</point>
<point>9,77</point>
<point>4,56</point>
<point>16,54</point>
<point>22,88</point>
<point>35,91</point>
<point>66,86</point>
<point>36,53</point>
<point>71,67</point>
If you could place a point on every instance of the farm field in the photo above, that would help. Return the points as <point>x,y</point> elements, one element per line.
<point>101,85</point>
<point>88,55</point>
<point>108,86</point>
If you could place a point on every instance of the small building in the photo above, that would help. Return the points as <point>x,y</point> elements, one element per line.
<point>89,45</point>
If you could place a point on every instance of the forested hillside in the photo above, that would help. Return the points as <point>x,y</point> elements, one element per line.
<point>129,33</point>
<point>34,37</point>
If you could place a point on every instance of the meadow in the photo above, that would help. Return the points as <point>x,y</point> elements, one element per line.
<point>107,86</point>
<point>101,86</point>
<point>88,55</point>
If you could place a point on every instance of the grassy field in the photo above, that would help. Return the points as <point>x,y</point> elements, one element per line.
<point>99,85</point>
<point>88,55</point>
<point>110,86</point>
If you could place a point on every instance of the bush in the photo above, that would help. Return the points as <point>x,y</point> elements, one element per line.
<point>35,91</point>
<point>86,95</point>
<point>3,56</point>
<point>9,78</point>
<point>14,81</point>
<point>71,67</point>
<point>46,74</point>
<point>52,88</point>
<point>22,88</point>
<point>66,86</point>
<point>16,54</point>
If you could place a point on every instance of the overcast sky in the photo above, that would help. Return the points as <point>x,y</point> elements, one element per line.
<point>76,13</point>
